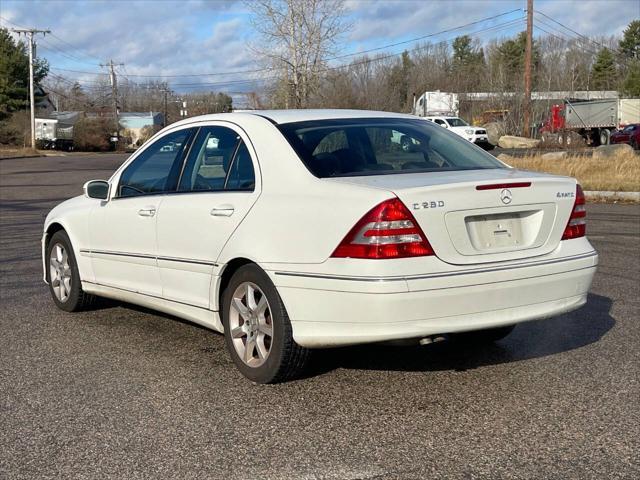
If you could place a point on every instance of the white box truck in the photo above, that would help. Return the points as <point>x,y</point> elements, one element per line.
<point>436,103</point>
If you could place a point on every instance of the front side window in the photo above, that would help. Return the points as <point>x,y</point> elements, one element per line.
<point>157,168</point>
<point>219,160</point>
<point>382,146</point>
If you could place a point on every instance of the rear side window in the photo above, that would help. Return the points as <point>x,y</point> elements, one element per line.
<point>355,147</point>
<point>219,160</point>
<point>241,175</point>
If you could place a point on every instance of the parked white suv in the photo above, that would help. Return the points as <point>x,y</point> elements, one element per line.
<point>460,127</point>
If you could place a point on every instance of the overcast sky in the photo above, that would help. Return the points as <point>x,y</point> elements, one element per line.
<point>211,36</point>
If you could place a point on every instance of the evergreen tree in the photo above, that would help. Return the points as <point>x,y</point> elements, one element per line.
<point>511,56</point>
<point>464,54</point>
<point>467,64</point>
<point>630,43</point>
<point>630,53</point>
<point>398,80</point>
<point>603,72</point>
<point>14,74</point>
<point>631,84</point>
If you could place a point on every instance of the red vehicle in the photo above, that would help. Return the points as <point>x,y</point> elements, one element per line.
<point>590,121</point>
<point>629,134</point>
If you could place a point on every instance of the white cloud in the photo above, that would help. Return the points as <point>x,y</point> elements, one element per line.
<point>201,36</point>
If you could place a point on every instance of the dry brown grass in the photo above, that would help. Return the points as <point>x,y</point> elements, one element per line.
<point>618,174</point>
<point>10,152</point>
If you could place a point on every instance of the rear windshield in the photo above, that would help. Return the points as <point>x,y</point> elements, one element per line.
<point>457,122</point>
<point>382,146</point>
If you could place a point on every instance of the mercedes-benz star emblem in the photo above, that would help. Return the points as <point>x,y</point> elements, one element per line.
<point>505,196</point>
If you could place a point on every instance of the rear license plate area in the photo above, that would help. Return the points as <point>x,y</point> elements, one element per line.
<point>502,231</point>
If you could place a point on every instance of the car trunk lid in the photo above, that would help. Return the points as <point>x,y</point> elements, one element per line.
<point>482,216</point>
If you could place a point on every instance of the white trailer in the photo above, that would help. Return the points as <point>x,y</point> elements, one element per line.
<point>53,135</point>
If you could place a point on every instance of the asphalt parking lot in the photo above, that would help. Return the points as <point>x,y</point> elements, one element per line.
<point>122,392</point>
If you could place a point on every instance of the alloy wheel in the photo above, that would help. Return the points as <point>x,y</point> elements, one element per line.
<point>60,272</point>
<point>250,324</point>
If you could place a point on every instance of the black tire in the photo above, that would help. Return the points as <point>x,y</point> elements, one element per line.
<point>286,359</point>
<point>76,299</point>
<point>634,144</point>
<point>488,335</point>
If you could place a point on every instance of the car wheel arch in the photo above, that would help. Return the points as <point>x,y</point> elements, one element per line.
<point>50,230</point>
<point>229,269</point>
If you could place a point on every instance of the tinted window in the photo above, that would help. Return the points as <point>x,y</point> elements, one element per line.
<point>332,142</point>
<point>209,159</point>
<point>157,168</point>
<point>383,146</point>
<point>241,174</point>
<point>218,160</point>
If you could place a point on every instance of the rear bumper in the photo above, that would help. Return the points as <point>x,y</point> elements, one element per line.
<point>332,311</point>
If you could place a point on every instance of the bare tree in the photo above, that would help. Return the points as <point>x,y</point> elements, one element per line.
<point>296,39</point>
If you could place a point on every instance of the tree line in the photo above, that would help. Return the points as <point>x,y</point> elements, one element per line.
<point>296,41</point>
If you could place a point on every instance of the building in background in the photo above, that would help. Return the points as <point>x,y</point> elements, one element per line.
<point>136,125</point>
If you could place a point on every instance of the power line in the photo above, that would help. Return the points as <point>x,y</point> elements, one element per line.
<point>584,37</point>
<point>260,70</point>
<point>52,45</point>
<point>563,36</point>
<point>75,48</point>
<point>424,37</point>
<point>501,26</point>
<point>364,60</point>
<point>56,50</point>
<point>352,64</point>
<point>573,39</point>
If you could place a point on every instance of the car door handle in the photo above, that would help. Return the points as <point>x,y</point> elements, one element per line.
<point>222,211</point>
<point>147,212</point>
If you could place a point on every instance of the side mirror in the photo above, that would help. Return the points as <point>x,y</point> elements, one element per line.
<point>98,189</point>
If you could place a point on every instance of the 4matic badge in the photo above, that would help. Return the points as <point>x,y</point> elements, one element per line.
<point>565,194</point>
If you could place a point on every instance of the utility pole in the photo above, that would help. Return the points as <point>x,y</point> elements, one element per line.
<point>30,32</point>
<point>527,70</point>
<point>164,117</point>
<point>114,93</point>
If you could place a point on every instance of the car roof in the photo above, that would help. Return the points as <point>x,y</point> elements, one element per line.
<point>288,116</point>
<point>303,115</point>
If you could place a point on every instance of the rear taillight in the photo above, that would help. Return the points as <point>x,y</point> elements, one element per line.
<point>577,221</point>
<point>386,231</point>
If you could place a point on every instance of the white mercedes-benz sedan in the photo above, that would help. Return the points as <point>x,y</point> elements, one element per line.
<point>303,229</point>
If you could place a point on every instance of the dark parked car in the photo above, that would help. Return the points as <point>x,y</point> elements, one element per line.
<point>629,134</point>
